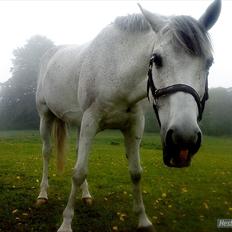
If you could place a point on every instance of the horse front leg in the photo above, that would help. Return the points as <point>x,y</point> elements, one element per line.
<point>132,137</point>
<point>45,132</point>
<point>86,196</point>
<point>89,129</point>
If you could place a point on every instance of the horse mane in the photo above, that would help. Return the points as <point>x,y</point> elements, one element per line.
<point>190,35</point>
<point>185,30</point>
<point>132,23</point>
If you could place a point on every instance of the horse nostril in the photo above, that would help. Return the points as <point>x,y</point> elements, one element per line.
<point>185,138</point>
<point>169,139</point>
<point>197,145</point>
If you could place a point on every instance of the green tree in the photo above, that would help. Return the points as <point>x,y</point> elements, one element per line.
<point>17,96</point>
<point>217,119</point>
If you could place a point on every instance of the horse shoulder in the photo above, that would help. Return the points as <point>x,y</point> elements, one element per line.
<point>114,65</point>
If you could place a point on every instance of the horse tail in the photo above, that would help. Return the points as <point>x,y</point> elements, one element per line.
<point>60,135</point>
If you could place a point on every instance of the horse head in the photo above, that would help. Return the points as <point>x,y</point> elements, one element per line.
<point>178,72</point>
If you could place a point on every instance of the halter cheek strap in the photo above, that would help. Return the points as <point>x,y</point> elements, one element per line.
<point>156,93</point>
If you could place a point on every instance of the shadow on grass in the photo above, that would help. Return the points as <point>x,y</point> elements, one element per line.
<point>102,216</point>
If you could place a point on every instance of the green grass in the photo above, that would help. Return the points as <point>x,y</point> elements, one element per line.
<point>189,200</point>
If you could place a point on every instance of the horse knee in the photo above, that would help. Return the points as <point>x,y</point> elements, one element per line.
<point>136,176</point>
<point>79,176</point>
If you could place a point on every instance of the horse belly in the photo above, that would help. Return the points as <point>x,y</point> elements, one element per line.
<point>63,103</point>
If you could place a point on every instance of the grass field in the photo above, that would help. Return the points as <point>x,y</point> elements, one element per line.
<point>186,200</point>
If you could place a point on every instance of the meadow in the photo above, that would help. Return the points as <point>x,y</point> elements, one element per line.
<point>189,200</point>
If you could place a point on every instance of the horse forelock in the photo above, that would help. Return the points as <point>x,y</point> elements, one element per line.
<point>186,31</point>
<point>190,35</point>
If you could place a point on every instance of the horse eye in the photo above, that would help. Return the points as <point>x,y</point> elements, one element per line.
<point>209,63</point>
<point>157,59</point>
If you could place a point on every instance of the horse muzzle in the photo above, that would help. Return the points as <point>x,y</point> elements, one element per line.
<point>179,149</point>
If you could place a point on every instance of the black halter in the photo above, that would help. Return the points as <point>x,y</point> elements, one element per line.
<point>156,93</point>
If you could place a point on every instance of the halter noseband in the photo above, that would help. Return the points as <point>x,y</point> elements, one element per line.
<point>156,93</point>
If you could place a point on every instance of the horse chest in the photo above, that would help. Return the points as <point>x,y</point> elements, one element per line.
<point>114,119</point>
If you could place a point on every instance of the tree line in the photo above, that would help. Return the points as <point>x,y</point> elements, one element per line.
<point>17,95</point>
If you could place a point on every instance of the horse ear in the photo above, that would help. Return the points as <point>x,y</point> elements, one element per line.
<point>156,21</point>
<point>209,18</point>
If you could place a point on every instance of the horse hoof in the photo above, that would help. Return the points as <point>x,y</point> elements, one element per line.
<point>88,201</point>
<point>146,229</point>
<point>64,228</point>
<point>41,201</point>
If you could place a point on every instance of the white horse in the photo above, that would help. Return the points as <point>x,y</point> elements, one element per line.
<point>102,84</point>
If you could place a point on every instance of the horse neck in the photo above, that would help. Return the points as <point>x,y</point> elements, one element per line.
<point>122,59</point>
<point>139,48</point>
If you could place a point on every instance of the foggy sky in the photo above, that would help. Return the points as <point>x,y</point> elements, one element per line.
<point>76,22</point>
